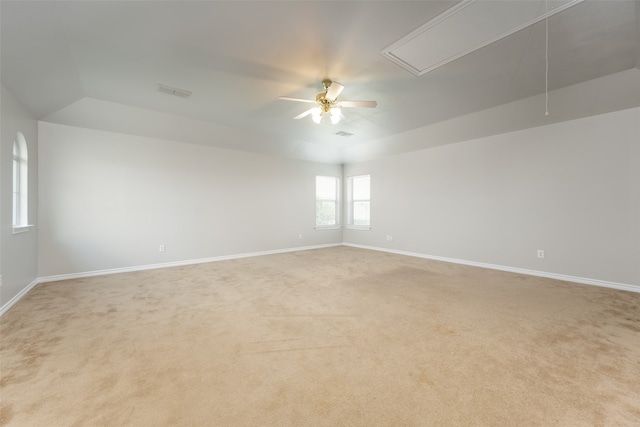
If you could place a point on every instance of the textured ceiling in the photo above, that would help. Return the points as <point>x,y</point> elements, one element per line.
<point>98,64</point>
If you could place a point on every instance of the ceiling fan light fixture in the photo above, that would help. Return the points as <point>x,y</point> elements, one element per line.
<point>336,115</point>
<point>316,115</point>
<point>327,102</point>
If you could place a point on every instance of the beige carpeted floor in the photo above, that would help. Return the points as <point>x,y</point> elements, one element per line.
<point>329,337</point>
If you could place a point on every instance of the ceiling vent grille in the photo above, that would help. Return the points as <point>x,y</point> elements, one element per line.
<point>173,91</point>
<point>468,26</point>
<point>344,134</point>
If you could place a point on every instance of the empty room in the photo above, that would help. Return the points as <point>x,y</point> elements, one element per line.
<point>320,213</point>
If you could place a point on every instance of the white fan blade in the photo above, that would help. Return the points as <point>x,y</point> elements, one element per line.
<point>361,104</point>
<point>286,98</point>
<point>305,114</point>
<point>333,91</point>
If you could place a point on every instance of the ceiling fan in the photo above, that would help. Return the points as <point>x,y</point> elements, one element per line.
<point>328,103</point>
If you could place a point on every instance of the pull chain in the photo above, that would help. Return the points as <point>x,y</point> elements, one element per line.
<point>546,59</point>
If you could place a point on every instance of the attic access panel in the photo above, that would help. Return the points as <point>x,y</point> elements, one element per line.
<point>468,26</point>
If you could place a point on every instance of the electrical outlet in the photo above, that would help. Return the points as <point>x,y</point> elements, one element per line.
<point>161,248</point>
<point>300,236</point>
<point>540,253</point>
<point>389,238</point>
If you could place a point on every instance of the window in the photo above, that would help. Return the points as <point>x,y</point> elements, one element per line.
<point>327,201</point>
<point>20,188</point>
<point>359,201</point>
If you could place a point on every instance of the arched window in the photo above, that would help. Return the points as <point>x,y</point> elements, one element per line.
<point>20,187</point>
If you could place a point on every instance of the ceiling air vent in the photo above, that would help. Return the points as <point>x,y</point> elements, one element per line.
<point>173,91</point>
<point>343,133</point>
<point>468,26</point>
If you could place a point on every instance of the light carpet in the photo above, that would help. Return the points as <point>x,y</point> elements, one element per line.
<point>329,337</point>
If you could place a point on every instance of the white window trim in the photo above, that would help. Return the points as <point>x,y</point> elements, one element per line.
<point>17,229</point>
<point>359,227</point>
<point>337,225</point>
<point>350,202</point>
<point>327,227</point>
<point>20,206</point>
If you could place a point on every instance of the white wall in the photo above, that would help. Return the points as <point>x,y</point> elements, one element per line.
<point>571,189</point>
<point>614,92</point>
<point>109,200</point>
<point>18,252</point>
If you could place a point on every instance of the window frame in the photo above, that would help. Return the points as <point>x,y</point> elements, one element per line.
<point>20,183</point>
<point>352,201</point>
<point>336,202</point>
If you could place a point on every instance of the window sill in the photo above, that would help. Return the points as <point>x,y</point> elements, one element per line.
<point>328,227</point>
<point>17,229</point>
<point>359,227</point>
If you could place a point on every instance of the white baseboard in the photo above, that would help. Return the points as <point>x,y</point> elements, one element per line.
<point>80,275</point>
<point>563,277</point>
<point>54,278</point>
<point>18,297</point>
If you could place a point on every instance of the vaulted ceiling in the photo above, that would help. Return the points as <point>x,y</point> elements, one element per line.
<point>98,64</point>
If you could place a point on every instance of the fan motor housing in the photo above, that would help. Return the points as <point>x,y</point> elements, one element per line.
<point>322,100</point>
